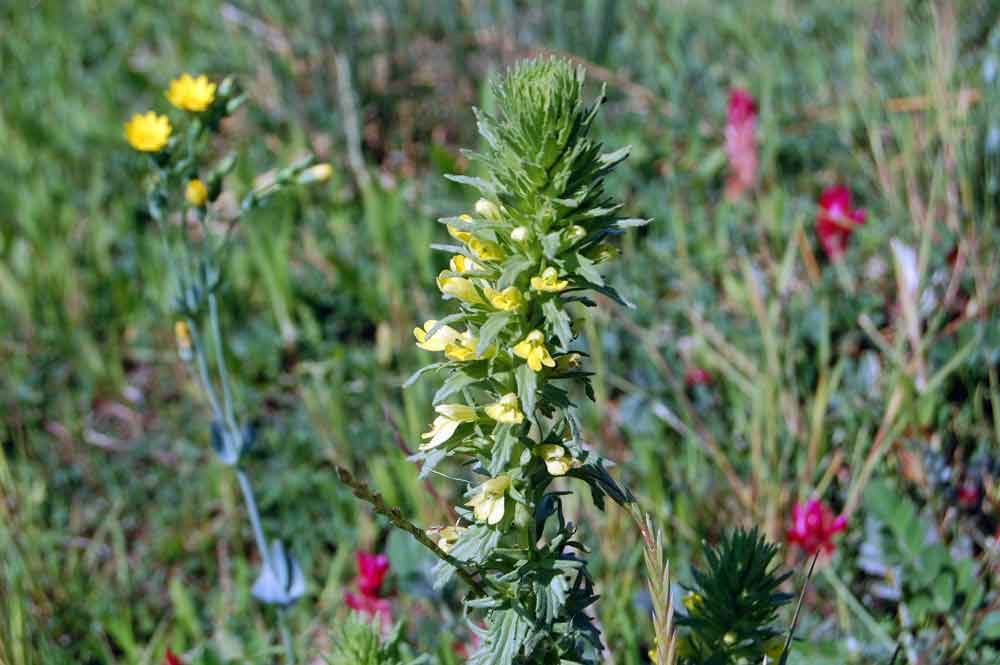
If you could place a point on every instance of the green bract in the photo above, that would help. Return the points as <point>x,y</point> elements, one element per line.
<point>529,250</point>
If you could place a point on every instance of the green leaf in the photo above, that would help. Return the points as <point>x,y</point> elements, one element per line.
<point>456,381</point>
<point>588,270</point>
<point>480,184</point>
<point>559,321</point>
<point>420,372</point>
<point>504,440</point>
<point>512,269</point>
<point>527,388</point>
<point>489,330</point>
<point>631,223</point>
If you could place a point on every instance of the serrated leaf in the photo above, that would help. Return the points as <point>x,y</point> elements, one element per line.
<point>504,440</point>
<point>513,268</point>
<point>559,321</point>
<point>456,381</point>
<point>527,389</point>
<point>489,330</point>
<point>480,184</point>
<point>588,270</point>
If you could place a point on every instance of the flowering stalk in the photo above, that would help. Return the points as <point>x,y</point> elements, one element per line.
<point>529,250</point>
<point>185,185</point>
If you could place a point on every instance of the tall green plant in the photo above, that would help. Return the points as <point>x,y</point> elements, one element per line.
<point>507,406</point>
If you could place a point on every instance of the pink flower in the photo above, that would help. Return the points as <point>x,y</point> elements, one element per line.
<point>370,605</point>
<point>813,526</point>
<point>371,571</point>
<point>836,220</point>
<point>697,376</point>
<point>741,142</point>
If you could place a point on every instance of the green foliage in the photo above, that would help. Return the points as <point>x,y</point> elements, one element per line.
<point>361,642</point>
<point>733,606</point>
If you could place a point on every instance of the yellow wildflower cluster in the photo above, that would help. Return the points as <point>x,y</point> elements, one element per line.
<point>150,131</point>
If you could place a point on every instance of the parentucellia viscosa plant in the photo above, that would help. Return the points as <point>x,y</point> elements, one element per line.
<point>524,259</point>
<point>182,200</point>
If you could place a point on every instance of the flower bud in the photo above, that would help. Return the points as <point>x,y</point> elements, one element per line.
<point>184,344</point>
<point>316,173</point>
<point>487,209</point>
<point>519,234</point>
<point>575,233</point>
<point>196,193</point>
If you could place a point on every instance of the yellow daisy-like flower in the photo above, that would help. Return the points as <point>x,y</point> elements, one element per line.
<point>191,94</point>
<point>549,281</point>
<point>445,425</point>
<point>447,537</point>
<point>457,234</point>
<point>459,287</point>
<point>556,460</point>
<point>509,299</point>
<point>463,348</point>
<point>149,132</point>
<point>196,193</point>
<point>462,264</point>
<point>488,505</point>
<point>487,250</point>
<point>532,348</point>
<point>439,341</point>
<point>507,410</point>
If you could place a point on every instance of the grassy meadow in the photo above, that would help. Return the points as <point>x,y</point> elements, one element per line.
<point>754,371</point>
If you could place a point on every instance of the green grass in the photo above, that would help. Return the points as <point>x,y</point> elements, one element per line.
<point>119,532</point>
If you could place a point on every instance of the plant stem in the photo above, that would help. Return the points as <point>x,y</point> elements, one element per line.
<point>251,504</point>
<point>227,397</point>
<point>286,636</point>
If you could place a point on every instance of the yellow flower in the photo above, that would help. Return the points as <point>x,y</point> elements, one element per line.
<point>549,281</point>
<point>507,410</point>
<point>463,348</point>
<point>461,263</point>
<point>461,236</point>
<point>532,348</point>
<point>509,299</point>
<point>568,362</point>
<point>488,505</point>
<point>149,132</point>
<point>196,193</point>
<point>459,287</point>
<point>183,335</point>
<point>439,341</point>
<point>693,601</point>
<point>447,537</point>
<point>556,460</point>
<point>444,426</point>
<point>316,173</point>
<point>487,209</point>
<point>487,250</point>
<point>191,94</point>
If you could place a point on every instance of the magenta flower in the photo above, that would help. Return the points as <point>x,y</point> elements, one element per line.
<point>371,571</point>
<point>813,526</point>
<point>836,220</point>
<point>741,142</point>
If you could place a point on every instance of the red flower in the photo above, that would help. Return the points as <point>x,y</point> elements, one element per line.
<point>170,658</point>
<point>741,142</point>
<point>371,571</point>
<point>696,376</point>
<point>836,220</point>
<point>813,526</point>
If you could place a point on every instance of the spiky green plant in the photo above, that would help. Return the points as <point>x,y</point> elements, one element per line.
<point>732,607</point>
<point>507,406</point>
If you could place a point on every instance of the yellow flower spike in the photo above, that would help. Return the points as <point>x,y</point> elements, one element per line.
<point>439,341</point>
<point>532,348</point>
<point>196,193</point>
<point>448,536</point>
<point>506,411</point>
<point>149,132</point>
<point>445,425</point>
<point>463,348</point>
<point>549,281</point>
<point>183,335</point>
<point>191,94</point>
<point>487,250</point>
<point>488,505</point>
<point>557,462</point>
<point>462,264</point>
<point>510,299</point>
<point>459,287</point>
